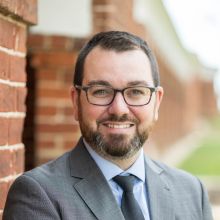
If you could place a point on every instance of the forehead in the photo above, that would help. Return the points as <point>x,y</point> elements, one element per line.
<point>117,68</point>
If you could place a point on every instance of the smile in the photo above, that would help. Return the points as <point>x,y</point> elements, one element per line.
<point>118,126</point>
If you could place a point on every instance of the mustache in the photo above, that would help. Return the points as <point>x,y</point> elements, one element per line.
<point>116,118</point>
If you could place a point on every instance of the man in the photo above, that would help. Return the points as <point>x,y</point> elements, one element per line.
<point>116,98</point>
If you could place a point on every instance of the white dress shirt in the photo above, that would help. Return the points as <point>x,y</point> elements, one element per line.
<point>110,170</point>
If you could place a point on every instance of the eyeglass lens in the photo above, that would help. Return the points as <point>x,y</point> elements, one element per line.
<point>103,95</point>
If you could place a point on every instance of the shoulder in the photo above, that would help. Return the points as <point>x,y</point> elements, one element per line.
<point>175,173</point>
<point>43,178</point>
<point>178,180</point>
<point>186,189</point>
<point>41,185</point>
<point>37,189</point>
<point>54,167</point>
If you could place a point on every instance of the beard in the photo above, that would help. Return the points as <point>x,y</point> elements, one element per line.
<point>114,146</point>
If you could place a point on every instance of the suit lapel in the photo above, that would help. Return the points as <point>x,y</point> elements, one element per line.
<point>92,186</point>
<point>96,193</point>
<point>160,198</point>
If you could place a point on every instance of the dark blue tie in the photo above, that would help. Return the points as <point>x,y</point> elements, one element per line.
<point>129,205</point>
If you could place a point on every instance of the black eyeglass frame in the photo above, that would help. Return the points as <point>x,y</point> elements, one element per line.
<point>85,89</point>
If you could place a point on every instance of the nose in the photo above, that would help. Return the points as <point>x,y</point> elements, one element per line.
<point>118,106</point>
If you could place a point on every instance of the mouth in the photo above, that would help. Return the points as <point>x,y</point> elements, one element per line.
<point>118,125</point>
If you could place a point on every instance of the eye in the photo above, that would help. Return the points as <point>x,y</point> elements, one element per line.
<point>100,92</point>
<point>132,92</point>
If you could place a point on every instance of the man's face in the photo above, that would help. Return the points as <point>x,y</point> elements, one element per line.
<point>117,130</point>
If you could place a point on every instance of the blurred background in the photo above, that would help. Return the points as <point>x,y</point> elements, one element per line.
<point>184,36</point>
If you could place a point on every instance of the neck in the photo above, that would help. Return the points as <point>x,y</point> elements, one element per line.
<point>123,163</point>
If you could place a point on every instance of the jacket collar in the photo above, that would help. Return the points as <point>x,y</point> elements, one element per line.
<point>96,192</point>
<point>92,185</point>
<point>159,192</point>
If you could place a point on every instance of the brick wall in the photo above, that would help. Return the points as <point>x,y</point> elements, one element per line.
<point>208,104</point>
<point>167,130</point>
<point>181,106</point>
<point>115,15</point>
<point>15,16</point>
<point>51,59</point>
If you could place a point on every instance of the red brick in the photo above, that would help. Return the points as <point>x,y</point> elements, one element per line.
<point>40,161</point>
<point>68,77</point>
<point>47,111</point>
<point>68,111</point>
<point>12,99</point>
<point>46,74</point>
<point>12,162</point>
<point>4,67</point>
<point>35,41</point>
<point>15,130</point>
<point>6,29</point>
<point>71,144</point>
<point>78,44</point>
<point>54,93</point>
<point>45,144</point>
<point>4,186</point>
<point>208,101</point>
<point>12,67</point>
<point>7,98</point>
<point>17,69</point>
<point>26,9</point>
<point>20,39</point>
<point>12,36</point>
<point>54,43</point>
<point>54,60</point>
<point>62,43</point>
<point>4,90</point>
<point>18,160</point>
<point>5,158</point>
<point>21,98</point>
<point>56,128</point>
<point>4,131</point>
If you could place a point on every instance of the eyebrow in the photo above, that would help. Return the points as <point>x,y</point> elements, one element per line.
<point>99,82</point>
<point>139,82</point>
<point>106,83</point>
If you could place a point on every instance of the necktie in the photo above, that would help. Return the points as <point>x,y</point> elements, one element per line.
<point>129,206</point>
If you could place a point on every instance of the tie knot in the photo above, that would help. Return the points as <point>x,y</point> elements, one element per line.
<point>125,182</point>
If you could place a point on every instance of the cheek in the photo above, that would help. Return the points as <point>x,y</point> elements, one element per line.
<point>145,115</point>
<point>92,113</point>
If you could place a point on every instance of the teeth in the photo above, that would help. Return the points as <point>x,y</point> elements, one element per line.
<point>118,126</point>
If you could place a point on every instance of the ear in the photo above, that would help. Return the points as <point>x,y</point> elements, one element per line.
<point>159,96</point>
<point>75,98</point>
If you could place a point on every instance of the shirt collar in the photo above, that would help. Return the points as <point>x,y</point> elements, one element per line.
<point>111,170</point>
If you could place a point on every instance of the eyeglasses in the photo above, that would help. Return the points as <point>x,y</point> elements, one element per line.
<point>104,95</point>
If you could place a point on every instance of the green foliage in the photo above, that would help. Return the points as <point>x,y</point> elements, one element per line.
<point>215,122</point>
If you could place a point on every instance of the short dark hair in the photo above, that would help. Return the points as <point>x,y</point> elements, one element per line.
<point>117,41</point>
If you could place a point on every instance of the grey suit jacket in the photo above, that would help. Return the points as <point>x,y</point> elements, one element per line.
<point>72,187</point>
